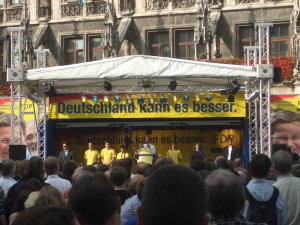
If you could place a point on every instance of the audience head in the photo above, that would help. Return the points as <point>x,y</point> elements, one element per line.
<point>21,167</point>
<point>118,162</point>
<point>68,169</point>
<point>238,162</point>
<point>103,168</point>
<point>35,168</point>
<point>140,167</point>
<point>8,168</point>
<point>53,191</point>
<point>128,163</point>
<point>89,168</point>
<point>22,192</point>
<point>198,164</point>
<point>160,162</point>
<point>118,175</point>
<point>220,160</point>
<point>49,200</point>
<point>296,170</point>
<point>94,201</point>
<point>172,189</point>
<point>282,161</point>
<point>226,193</point>
<point>51,165</point>
<point>46,215</point>
<point>260,166</point>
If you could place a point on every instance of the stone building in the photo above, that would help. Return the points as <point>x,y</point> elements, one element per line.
<point>78,31</point>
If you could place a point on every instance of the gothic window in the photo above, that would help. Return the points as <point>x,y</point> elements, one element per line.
<point>73,50</point>
<point>280,44</point>
<point>95,49</point>
<point>159,43</point>
<point>184,44</point>
<point>247,38</point>
<point>280,40</point>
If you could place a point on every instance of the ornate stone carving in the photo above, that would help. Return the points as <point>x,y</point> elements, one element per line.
<point>247,1</point>
<point>152,5</point>
<point>71,10</point>
<point>14,14</point>
<point>185,3</point>
<point>95,8</point>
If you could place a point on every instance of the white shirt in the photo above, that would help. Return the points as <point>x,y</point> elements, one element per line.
<point>61,184</point>
<point>6,183</point>
<point>229,152</point>
<point>151,147</point>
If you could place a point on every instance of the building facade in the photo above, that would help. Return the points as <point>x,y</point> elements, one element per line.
<point>77,31</point>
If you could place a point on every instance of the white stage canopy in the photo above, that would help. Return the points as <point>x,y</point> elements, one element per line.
<point>129,73</point>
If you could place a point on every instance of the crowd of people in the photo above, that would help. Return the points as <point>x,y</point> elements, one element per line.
<point>113,189</point>
<point>217,192</point>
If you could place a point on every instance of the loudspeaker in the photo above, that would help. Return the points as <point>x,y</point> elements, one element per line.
<point>17,152</point>
<point>277,76</point>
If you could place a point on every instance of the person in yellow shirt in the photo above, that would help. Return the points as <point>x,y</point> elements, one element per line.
<point>91,155</point>
<point>123,154</point>
<point>174,153</point>
<point>108,155</point>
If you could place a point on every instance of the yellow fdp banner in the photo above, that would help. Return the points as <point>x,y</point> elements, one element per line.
<point>27,107</point>
<point>286,102</point>
<point>209,105</point>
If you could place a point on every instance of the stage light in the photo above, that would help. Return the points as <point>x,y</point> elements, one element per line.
<point>141,100</point>
<point>208,98</point>
<point>152,100</point>
<point>117,99</point>
<point>173,85</point>
<point>107,86</point>
<point>83,98</point>
<point>163,100</point>
<point>197,98</point>
<point>175,98</point>
<point>128,99</point>
<point>106,99</point>
<point>230,98</point>
<point>95,98</point>
<point>186,98</point>
<point>233,87</point>
<point>49,89</point>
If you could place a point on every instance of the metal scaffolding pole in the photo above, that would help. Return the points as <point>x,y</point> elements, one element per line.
<point>253,134</point>
<point>41,56</point>
<point>15,76</point>
<point>265,73</point>
<point>259,112</point>
<point>41,129</point>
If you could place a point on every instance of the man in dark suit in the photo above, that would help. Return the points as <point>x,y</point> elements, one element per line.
<point>230,152</point>
<point>66,153</point>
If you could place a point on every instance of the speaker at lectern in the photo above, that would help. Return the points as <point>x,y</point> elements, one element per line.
<point>17,152</point>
